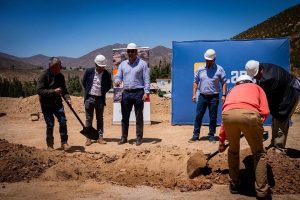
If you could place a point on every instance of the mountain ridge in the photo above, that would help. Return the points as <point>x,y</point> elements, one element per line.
<point>36,61</point>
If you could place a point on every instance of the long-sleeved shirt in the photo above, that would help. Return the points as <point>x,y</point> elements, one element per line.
<point>210,79</point>
<point>281,89</point>
<point>134,75</point>
<point>246,96</point>
<point>46,85</point>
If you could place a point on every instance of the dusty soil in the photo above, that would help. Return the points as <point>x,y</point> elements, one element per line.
<point>154,170</point>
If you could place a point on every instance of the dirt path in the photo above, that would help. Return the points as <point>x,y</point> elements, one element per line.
<point>154,170</point>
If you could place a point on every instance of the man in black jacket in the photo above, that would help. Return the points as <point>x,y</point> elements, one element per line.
<point>96,82</point>
<point>282,90</point>
<point>50,88</point>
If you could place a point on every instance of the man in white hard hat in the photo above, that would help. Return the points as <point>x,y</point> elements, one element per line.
<point>282,90</point>
<point>96,82</point>
<point>51,87</point>
<point>134,74</point>
<point>244,110</point>
<point>207,79</point>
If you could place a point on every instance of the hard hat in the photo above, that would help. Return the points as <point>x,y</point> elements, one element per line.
<point>252,67</point>
<point>244,78</point>
<point>100,60</point>
<point>132,46</point>
<point>210,54</point>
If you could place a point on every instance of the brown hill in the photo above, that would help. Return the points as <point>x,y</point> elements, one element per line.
<point>284,24</point>
<point>12,62</point>
<point>157,53</point>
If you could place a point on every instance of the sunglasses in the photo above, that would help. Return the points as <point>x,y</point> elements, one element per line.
<point>131,51</point>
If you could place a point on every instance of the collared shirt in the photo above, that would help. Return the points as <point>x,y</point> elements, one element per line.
<point>96,87</point>
<point>134,75</point>
<point>209,79</point>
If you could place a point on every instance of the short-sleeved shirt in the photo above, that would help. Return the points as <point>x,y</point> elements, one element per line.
<point>209,79</point>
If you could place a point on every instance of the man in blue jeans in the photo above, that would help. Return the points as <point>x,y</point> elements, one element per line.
<point>208,79</point>
<point>50,88</point>
<point>134,74</point>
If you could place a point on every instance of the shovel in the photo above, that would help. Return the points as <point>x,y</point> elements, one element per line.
<point>197,162</point>
<point>88,132</point>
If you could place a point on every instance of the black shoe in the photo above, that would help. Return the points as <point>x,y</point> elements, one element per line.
<point>138,141</point>
<point>211,138</point>
<point>234,188</point>
<point>123,141</point>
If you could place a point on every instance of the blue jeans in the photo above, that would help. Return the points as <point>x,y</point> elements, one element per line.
<point>94,103</point>
<point>58,111</point>
<point>204,101</point>
<point>130,99</point>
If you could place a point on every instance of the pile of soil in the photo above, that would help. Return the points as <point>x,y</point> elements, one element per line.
<point>159,166</point>
<point>19,162</point>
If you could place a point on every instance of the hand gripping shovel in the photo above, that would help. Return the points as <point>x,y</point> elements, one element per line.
<point>89,132</point>
<point>197,162</point>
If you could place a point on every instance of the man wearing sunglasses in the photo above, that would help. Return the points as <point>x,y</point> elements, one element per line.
<point>134,74</point>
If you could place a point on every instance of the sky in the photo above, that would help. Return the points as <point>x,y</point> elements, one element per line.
<point>74,28</point>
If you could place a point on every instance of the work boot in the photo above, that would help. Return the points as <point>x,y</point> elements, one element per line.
<point>123,140</point>
<point>65,147</point>
<point>101,141</point>
<point>88,142</point>
<point>234,188</point>
<point>138,141</point>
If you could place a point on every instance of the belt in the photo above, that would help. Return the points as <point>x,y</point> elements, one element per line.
<point>133,90</point>
<point>94,96</point>
<point>209,95</point>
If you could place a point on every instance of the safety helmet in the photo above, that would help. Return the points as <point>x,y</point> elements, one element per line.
<point>244,78</point>
<point>210,54</point>
<point>132,46</point>
<point>252,67</point>
<point>100,60</point>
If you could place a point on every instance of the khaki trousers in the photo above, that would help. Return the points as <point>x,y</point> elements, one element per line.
<point>249,122</point>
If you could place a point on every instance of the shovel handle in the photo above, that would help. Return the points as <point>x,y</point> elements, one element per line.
<point>216,152</point>
<point>70,106</point>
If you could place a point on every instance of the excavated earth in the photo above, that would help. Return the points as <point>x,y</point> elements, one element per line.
<point>161,167</point>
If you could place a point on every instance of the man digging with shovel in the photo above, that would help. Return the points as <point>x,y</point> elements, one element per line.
<point>244,110</point>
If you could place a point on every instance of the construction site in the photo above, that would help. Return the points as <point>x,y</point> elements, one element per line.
<point>157,169</point>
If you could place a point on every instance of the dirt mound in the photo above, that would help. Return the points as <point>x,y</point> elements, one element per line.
<point>18,162</point>
<point>159,166</point>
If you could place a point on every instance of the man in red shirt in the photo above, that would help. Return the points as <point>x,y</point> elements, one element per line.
<point>244,110</point>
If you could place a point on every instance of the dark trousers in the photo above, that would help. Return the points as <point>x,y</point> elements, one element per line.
<point>94,103</point>
<point>204,101</point>
<point>130,99</point>
<point>58,111</point>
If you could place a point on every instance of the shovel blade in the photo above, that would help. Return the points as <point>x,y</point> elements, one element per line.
<point>195,164</point>
<point>90,133</point>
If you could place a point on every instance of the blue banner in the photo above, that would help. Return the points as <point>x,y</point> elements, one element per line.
<point>232,55</point>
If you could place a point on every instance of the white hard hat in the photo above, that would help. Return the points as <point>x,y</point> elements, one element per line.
<point>210,54</point>
<point>244,78</point>
<point>132,46</point>
<point>252,67</point>
<point>100,60</point>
